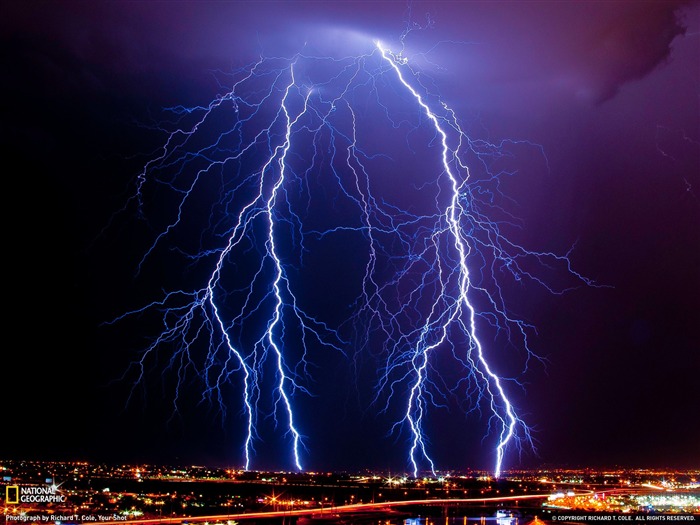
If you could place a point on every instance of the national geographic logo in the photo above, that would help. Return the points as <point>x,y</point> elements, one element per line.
<point>14,495</point>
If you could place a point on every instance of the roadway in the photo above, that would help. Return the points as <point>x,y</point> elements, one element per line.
<point>334,511</point>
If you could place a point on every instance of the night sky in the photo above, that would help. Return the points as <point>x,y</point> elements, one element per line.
<point>602,99</point>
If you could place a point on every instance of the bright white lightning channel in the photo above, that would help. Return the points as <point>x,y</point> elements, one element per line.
<point>415,406</point>
<point>287,133</point>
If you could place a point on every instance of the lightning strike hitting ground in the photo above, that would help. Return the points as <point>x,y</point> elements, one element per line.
<point>307,154</point>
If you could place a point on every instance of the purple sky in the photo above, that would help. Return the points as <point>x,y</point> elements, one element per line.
<point>609,90</point>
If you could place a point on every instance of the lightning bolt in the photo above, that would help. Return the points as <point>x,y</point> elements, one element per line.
<point>432,271</point>
<point>459,306</point>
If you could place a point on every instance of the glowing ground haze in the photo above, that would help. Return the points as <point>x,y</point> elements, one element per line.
<point>302,153</point>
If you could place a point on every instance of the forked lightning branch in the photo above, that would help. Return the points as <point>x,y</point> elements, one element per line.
<point>434,264</point>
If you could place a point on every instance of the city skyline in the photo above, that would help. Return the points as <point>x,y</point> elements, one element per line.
<point>78,492</point>
<point>591,131</point>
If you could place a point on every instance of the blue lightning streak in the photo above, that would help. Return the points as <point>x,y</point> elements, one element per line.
<point>286,128</point>
<point>208,302</point>
<point>414,413</point>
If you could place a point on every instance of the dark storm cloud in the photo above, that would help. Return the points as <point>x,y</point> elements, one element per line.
<point>581,49</point>
<point>632,42</point>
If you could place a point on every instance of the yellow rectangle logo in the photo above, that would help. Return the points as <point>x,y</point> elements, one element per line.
<point>12,494</point>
